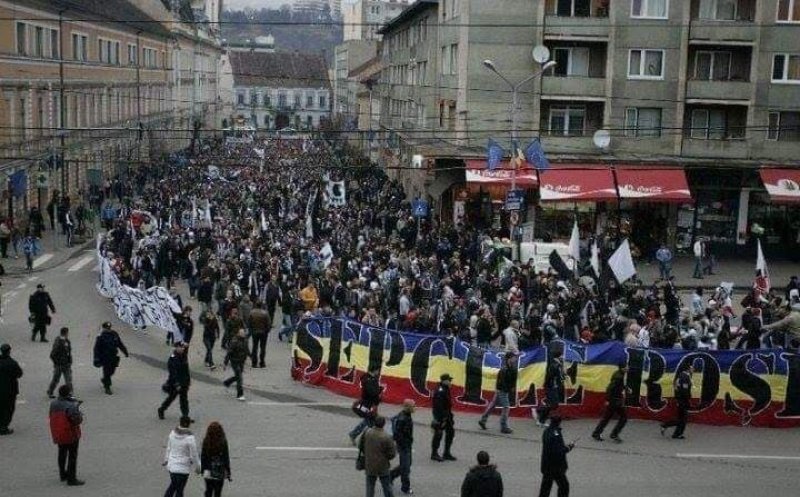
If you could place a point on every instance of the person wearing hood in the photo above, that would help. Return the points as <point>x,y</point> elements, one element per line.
<point>482,480</point>
<point>180,457</point>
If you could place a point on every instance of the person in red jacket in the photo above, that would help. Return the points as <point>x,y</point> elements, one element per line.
<point>65,428</point>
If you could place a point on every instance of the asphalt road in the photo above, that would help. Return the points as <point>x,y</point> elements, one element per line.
<point>290,440</point>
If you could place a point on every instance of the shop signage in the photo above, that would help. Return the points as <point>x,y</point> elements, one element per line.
<point>514,200</point>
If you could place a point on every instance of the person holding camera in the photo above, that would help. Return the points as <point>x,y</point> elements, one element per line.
<point>65,429</point>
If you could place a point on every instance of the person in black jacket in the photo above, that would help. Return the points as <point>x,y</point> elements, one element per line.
<point>10,373</point>
<point>482,480</point>
<point>683,394</point>
<point>106,354</point>
<point>178,382</point>
<point>506,381</point>
<point>615,404</point>
<point>38,305</point>
<point>553,385</point>
<point>368,405</point>
<point>403,434</point>
<point>215,461</point>
<point>554,459</point>
<point>443,421</point>
<point>61,355</point>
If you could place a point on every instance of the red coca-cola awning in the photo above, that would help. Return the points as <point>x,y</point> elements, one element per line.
<point>477,173</point>
<point>577,183</point>
<point>783,185</point>
<point>653,183</point>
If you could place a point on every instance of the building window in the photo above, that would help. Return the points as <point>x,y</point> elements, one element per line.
<point>310,101</point>
<point>267,100</point>
<point>786,68</point>
<point>309,122</point>
<point>133,51</point>
<point>570,8</point>
<point>297,100</point>
<point>323,102</point>
<point>22,48</point>
<point>715,124</point>
<point>282,100</point>
<point>80,47</point>
<point>572,61</point>
<point>55,44</point>
<point>712,66</point>
<point>718,10</point>
<point>149,57</point>
<point>38,41</point>
<point>784,126</point>
<point>240,98</point>
<point>646,64</point>
<point>789,10</point>
<point>642,122</point>
<point>567,121</point>
<point>650,9</point>
<point>254,99</point>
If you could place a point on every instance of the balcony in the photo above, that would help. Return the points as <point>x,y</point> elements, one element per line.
<point>574,86</point>
<point>586,19</point>
<point>716,131</point>
<point>718,90</point>
<point>715,149</point>
<point>714,21</point>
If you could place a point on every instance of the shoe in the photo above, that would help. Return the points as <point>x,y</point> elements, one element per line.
<point>241,398</point>
<point>663,430</point>
<point>160,413</point>
<point>507,431</point>
<point>616,439</point>
<point>407,492</point>
<point>449,457</point>
<point>436,457</point>
<point>482,424</point>
<point>352,440</point>
<point>108,391</point>
<point>678,437</point>
<point>44,340</point>
<point>599,438</point>
<point>7,431</point>
<point>544,424</point>
<point>62,477</point>
<point>280,337</point>
<point>50,395</point>
<point>75,483</point>
<point>262,366</point>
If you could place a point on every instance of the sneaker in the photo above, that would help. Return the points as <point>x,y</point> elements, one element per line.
<point>76,483</point>
<point>482,424</point>
<point>507,431</point>
<point>241,398</point>
<point>160,412</point>
<point>599,438</point>
<point>407,492</point>
<point>678,437</point>
<point>449,457</point>
<point>541,424</point>
<point>663,430</point>
<point>436,457</point>
<point>616,439</point>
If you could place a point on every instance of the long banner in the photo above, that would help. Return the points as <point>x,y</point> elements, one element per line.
<point>758,388</point>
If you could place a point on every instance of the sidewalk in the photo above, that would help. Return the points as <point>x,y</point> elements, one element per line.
<point>53,252</point>
<point>740,272</point>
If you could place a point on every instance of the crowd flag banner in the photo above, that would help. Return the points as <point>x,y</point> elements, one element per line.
<point>575,246</point>
<point>621,263</point>
<point>761,265</point>
<point>535,156</point>
<point>208,213</point>
<point>194,212</point>
<point>309,211</point>
<point>327,254</point>
<point>738,387</point>
<point>263,221</point>
<point>335,193</point>
<point>595,259</point>
<point>494,154</point>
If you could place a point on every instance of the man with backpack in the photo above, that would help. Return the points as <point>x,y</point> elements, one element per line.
<point>403,434</point>
<point>65,429</point>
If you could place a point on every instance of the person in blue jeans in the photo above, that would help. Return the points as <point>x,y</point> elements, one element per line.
<point>664,258</point>
<point>506,381</point>
<point>368,405</point>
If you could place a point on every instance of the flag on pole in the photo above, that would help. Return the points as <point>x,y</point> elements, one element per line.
<point>309,211</point>
<point>194,212</point>
<point>494,154</point>
<point>208,212</point>
<point>595,259</point>
<point>575,246</point>
<point>534,154</point>
<point>762,278</point>
<point>263,221</point>
<point>327,255</point>
<point>557,263</point>
<point>621,263</point>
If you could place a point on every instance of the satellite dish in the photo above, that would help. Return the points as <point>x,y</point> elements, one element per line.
<point>602,138</point>
<point>541,54</point>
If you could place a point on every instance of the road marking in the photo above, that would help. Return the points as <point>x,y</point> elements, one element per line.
<point>20,402</point>
<point>302,404</point>
<point>33,278</point>
<point>41,260</point>
<point>309,449</point>
<point>79,265</point>
<point>737,456</point>
<point>9,294</point>
<point>21,286</point>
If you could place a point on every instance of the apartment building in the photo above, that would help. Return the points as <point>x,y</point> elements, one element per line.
<point>84,98</point>
<point>704,92</point>
<point>363,18</point>
<point>348,56</point>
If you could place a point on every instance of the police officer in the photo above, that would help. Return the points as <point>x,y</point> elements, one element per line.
<point>443,421</point>
<point>554,385</point>
<point>554,459</point>
<point>178,382</point>
<point>683,394</point>
<point>38,305</point>
<point>615,404</point>
<point>106,348</point>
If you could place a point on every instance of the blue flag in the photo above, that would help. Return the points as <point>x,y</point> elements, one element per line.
<point>494,154</point>
<point>19,183</point>
<point>535,155</point>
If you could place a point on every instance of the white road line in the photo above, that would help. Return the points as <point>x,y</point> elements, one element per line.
<point>41,260</point>
<point>20,402</point>
<point>21,286</point>
<point>309,449</point>
<point>301,404</point>
<point>80,264</point>
<point>10,294</point>
<point>33,278</point>
<point>737,456</point>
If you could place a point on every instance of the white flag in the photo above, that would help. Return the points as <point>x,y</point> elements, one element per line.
<point>194,212</point>
<point>309,221</point>
<point>208,212</point>
<point>575,245</point>
<point>327,255</point>
<point>595,259</point>
<point>761,265</point>
<point>621,263</point>
<point>335,192</point>
<point>263,221</point>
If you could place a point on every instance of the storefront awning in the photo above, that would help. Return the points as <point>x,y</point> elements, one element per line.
<point>783,185</point>
<point>652,183</point>
<point>477,173</point>
<point>577,184</point>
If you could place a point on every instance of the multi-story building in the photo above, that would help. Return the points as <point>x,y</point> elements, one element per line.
<point>276,90</point>
<point>90,89</point>
<point>363,18</point>
<point>348,56</point>
<point>700,93</point>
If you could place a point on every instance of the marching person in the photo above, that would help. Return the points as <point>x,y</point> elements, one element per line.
<point>106,354</point>
<point>61,355</point>
<point>506,381</point>
<point>443,421</point>
<point>683,394</point>
<point>10,373</point>
<point>210,335</point>
<point>615,404</point>
<point>554,385</point>
<point>260,324</point>
<point>38,305</point>
<point>215,461</point>
<point>403,434</point>
<point>554,459</point>
<point>237,356</point>
<point>482,480</point>
<point>367,407</point>
<point>65,429</point>
<point>379,450</point>
<point>178,382</point>
<point>179,458</point>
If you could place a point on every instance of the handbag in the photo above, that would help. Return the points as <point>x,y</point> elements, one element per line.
<point>361,410</point>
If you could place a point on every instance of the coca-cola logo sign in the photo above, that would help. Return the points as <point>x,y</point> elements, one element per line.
<point>653,190</point>
<point>562,188</point>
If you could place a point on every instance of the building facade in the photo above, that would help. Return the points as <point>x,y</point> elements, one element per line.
<point>278,90</point>
<point>363,18</point>
<point>84,98</point>
<point>707,87</point>
<point>348,56</point>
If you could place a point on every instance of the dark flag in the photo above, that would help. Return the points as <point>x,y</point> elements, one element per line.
<point>557,263</point>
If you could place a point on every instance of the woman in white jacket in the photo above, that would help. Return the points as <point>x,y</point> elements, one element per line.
<point>180,456</point>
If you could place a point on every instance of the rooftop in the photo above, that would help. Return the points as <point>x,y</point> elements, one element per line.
<point>409,13</point>
<point>279,69</point>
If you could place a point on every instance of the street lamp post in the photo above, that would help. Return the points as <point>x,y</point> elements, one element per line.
<point>489,64</point>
